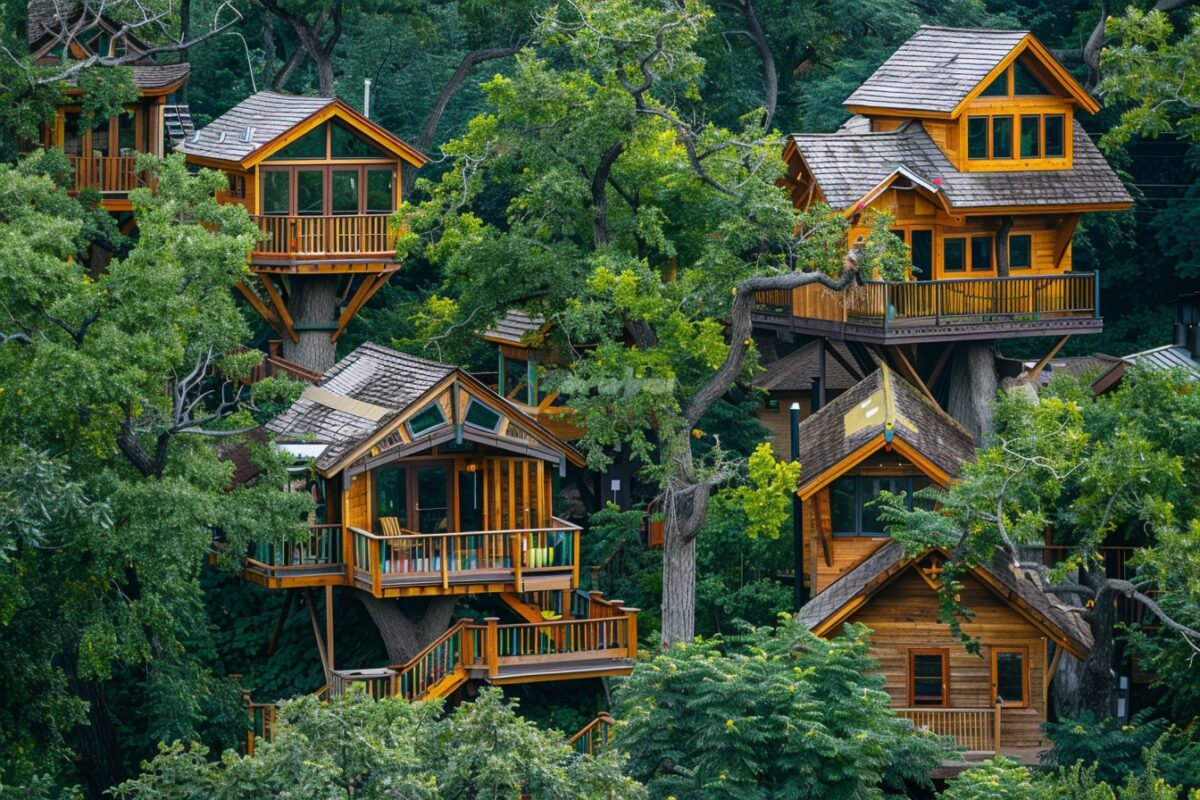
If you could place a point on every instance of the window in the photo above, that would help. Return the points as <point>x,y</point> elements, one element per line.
<point>929,677</point>
<point>427,419</point>
<point>1002,136</point>
<point>1054,147</point>
<point>1020,252</point>
<point>1031,130</point>
<point>127,133</point>
<point>309,146</point>
<point>1010,675</point>
<point>391,494</point>
<point>380,194</point>
<point>237,186</point>
<point>345,143</point>
<point>899,233</point>
<point>345,191</point>
<point>852,498</point>
<point>276,192</point>
<point>480,416</point>
<point>981,253</point>
<point>954,254</point>
<point>998,87</point>
<point>310,192</point>
<point>1025,83</point>
<point>977,137</point>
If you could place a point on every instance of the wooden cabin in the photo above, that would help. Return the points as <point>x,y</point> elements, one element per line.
<point>968,138</point>
<point>103,156</point>
<point>995,701</point>
<point>324,184</point>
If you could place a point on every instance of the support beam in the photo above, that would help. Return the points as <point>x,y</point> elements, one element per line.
<point>258,305</point>
<point>906,368</point>
<point>280,308</point>
<point>841,360</point>
<point>283,615</point>
<point>329,625</point>
<point>1041,365</point>
<point>940,365</point>
<point>1063,236</point>
<point>821,371</point>
<point>369,287</point>
<point>862,356</point>
<point>311,601</point>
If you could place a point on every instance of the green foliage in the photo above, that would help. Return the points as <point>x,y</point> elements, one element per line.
<point>781,714</point>
<point>1119,751</point>
<point>767,497</point>
<point>996,779</point>
<point>357,747</point>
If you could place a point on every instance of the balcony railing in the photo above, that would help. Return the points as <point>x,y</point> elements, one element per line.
<point>326,236</point>
<point>895,305</point>
<point>973,729</point>
<point>320,552</point>
<point>109,174</point>
<point>424,559</point>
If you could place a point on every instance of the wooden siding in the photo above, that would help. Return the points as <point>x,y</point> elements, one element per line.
<point>903,615</point>
<point>358,502</point>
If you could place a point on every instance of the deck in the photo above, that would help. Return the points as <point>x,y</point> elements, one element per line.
<point>346,239</point>
<point>910,312</point>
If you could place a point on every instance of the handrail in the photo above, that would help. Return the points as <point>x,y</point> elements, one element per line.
<point>325,234</point>
<point>975,729</point>
<point>566,526</point>
<point>114,174</point>
<point>586,741</point>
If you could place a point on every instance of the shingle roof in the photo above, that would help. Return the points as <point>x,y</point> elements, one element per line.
<point>936,68</point>
<point>881,401</point>
<point>1167,357</point>
<point>875,570</point>
<point>267,115</point>
<point>357,397</point>
<point>42,18</point>
<point>794,372</point>
<point>514,326</point>
<point>847,166</point>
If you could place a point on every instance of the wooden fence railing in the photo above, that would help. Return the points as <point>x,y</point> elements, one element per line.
<point>348,235</point>
<point>888,304</point>
<point>323,547</point>
<point>115,174</point>
<point>594,736</point>
<point>974,729</point>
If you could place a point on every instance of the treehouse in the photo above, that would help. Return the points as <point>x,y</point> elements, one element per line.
<point>881,435</point>
<point>324,184</point>
<point>103,154</point>
<point>968,138</point>
<point>430,485</point>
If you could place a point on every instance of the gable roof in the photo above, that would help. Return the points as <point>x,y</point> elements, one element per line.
<point>514,326</point>
<point>851,166</point>
<point>244,134</point>
<point>364,393</point>
<point>1167,357</point>
<point>879,409</point>
<point>1011,584</point>
<point>794,372</point>
<point>939,68</point>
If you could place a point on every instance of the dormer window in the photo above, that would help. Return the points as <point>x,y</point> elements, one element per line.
<point>1016,81</point>
<point>1037,135</point>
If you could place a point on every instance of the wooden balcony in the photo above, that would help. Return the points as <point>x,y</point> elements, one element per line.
<point>108,174</point>
<point>976,730</point>
<point>884,312</point>
<point>350,238</point>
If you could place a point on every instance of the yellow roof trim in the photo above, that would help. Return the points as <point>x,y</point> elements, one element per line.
<point>1030,44</point>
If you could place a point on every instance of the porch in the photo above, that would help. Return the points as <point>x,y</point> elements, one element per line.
<point>354,236</point>
<point>902,312</point>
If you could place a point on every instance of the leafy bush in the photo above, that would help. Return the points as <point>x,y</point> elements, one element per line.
<point>1119,751</point>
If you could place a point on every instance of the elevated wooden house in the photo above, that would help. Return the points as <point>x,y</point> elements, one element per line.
<point>103,154</point>
<point>434,485</point>
<point>324,185</point>
<point>885,435</point>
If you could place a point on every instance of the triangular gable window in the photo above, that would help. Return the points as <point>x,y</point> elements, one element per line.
<point>309,146</point>
<point>998,87</point>
<point>1025,83</point>
<point>346,143</point>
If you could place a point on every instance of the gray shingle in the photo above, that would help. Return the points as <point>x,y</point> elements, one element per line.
<point>268,115</point>
<point>849,165</point>
<point>1167,357</point>
<point>514,326</point>
<point>794,372</point>
<point>936,68</point>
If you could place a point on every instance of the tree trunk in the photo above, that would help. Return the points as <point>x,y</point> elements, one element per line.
<point>313,302</point>
<point>469,62</point>
<point>678,586</point>
<point>973,388</point>
<point>1097,679</point>
<point>99,758</point>
<point>408,626</point>
<point>185,34</point>
<point>770,77</point>
<point>325,82</point>
<point>1002,262</point>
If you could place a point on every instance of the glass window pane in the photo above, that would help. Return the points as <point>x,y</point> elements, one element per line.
<point>310,145</point>
<point>922,254</point>
<point>1031,134</point>
<point>872,525</point>
<point>470,505</point>
<point>998,87</point>
<point>843,506</point>
<point>127,133</point>
<point>345,192</point>
<point>428,419</point>
<point>391,494</point>
<point>1002,135</point>
<point>481,416</point>
<point>276,187</point>
<point>977,132</point>
<point>927,674</point>
<point>345,143</point>
<point>100,138</point>
<point>981,253</point>
<point>433,510</point>
<point>1020,252</point>
<point>1010,677</point>
<point>515,374</point>
<point>954,255</point>
<point>1024,82</point>
<point>1054,135</point>
<point>380,191</point>
<point>310,193</point>
<point>918,483</point>
<point>72,139</point>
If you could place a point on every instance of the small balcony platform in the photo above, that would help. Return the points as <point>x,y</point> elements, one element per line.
<point>912,312</point>
<point>351,243</point>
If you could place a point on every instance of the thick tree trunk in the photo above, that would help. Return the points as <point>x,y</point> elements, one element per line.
<point>973,386</point>
<point>99,757</point>
<point>408,626</point>
<point>313,302</point>
<point>1002,262</point>
<point>678,587</point>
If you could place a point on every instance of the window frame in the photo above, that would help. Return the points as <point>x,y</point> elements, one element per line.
<point>962,240</point>
<point>1039,120</point>
<point>987,137</point>
<point>858,532</point>
<point>1062,135</point>
<point>991,265</point>
<point>992,137</point>
<point>1023,651</point>
<point>944,654</point>
<point>472,403</point>
<point>1009,244</point>
<point>426,431</point>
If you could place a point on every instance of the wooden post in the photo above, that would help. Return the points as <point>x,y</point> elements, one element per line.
<point>996,731</point>
<point>518,555</point>
<point>631,630</point>
<point>575,559</point>
<point>445,541</point>
<point>593,605</point>
<point>492,646</point>
<point>329,625</point>
<point>468,646</point>
<point>376,567</point>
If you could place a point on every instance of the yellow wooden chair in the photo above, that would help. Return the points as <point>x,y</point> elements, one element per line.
<point>390,526</point>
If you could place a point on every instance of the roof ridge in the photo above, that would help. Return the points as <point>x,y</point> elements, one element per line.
<point>369,345</point>
<point>975,29</point>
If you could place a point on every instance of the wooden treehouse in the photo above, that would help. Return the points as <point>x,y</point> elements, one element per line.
<point>103,155</point>
<point>434,485</point>
<point>323,184</point>
<point>885,435</point>
<point>969,140</point>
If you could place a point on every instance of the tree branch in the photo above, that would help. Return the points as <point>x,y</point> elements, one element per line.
<point>469,62</point>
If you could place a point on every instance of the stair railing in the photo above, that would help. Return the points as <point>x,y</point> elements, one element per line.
<point>595,736</point>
